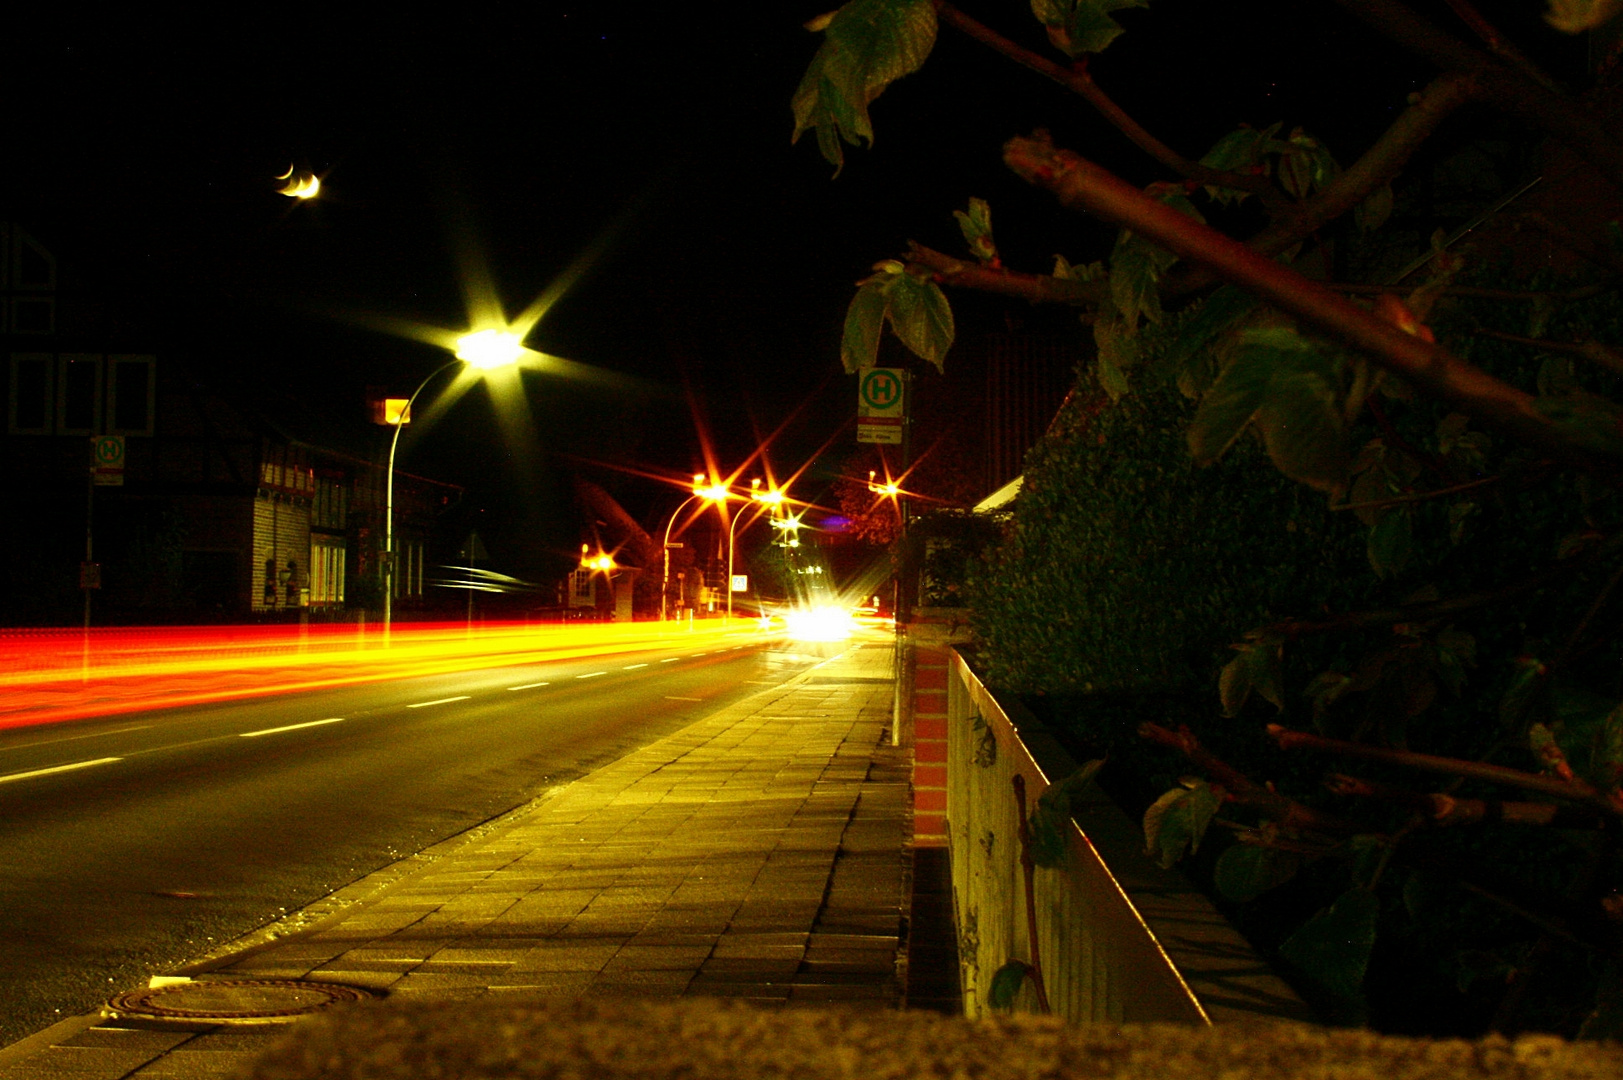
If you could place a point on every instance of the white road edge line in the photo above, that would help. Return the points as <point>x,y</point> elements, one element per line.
<point>289,727</point>
<point>439,701</point>
<point>593,675</point>
<point>57,769</point>
<point>671,697</point>
<point>633,667</point>
<point>529,686</point>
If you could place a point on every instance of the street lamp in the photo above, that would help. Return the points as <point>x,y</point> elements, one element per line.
<point>712,493</point>
<point>772,498</point>
<point>485,350</point>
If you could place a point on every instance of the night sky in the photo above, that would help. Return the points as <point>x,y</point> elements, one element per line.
<point>649,142</point>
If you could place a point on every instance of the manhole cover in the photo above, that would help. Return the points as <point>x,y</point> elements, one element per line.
<point>246,1001</point>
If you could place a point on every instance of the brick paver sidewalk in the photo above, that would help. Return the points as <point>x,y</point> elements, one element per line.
<point>756,854</point>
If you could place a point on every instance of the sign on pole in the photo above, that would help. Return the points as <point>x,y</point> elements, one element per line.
<point>741,583</point>
<point>881,405</point>
<point>107,460</point>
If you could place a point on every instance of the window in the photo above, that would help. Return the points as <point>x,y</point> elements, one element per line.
<point>30,412</point>
<point>32,267</point>
<point>78,394</point>
<point>131,394</point>
<point>33,315</point>
<point>326,572</point>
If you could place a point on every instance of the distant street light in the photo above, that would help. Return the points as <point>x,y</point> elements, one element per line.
<point>772,498</point>
<point>713,493</point>
<point>485,350</point>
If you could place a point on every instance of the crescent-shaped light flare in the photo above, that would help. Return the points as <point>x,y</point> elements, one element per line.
<point>287,174</point>
<point>303,186</point>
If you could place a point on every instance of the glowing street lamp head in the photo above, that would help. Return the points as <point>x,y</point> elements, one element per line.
<point>711,492</point>
<point>488,349</point>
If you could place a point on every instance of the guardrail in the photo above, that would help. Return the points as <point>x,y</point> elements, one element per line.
<point>1118,938</point>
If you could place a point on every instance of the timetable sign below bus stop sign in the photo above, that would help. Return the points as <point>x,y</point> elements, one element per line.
<point>107,460</point>
<point>881,405</point>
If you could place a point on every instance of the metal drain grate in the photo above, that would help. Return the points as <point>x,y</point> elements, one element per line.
<point>245,1001</point>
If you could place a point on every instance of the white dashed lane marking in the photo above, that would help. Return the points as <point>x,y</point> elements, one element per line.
<point>529,686</point>
<point>290,727</point>
<point>439,701</point>
<point>57,769</point>
<point>591,675</point>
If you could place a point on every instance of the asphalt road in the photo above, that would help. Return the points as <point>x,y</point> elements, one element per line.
<point>132,844</point>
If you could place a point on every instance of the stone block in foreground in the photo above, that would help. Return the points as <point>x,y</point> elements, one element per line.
<point>705,1040</point>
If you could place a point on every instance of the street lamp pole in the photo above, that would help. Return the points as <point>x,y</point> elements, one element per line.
<point>665,581</point>
<point>486,350</point>
<point>388,498</point>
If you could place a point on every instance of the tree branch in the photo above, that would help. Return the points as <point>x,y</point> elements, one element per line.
<point>1575,790</point>
<point>1082,185</point>
<point>1378,165</point>
<point>1417,496</point>
<point>1443,809</point>
<point>1499,45</point>
<point>1439,609</point>
<point>1503,86</point>
<point>1078,81</point>
<point>1599,254</point>
<point>1242,789</point>
<point>1035,288</point>
<point>1604,355</point>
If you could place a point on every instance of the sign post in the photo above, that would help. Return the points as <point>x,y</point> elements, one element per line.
<point>882,405</point>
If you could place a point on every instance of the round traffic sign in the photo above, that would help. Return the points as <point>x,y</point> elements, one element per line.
<point>109,449</point>
<point>881,389</point>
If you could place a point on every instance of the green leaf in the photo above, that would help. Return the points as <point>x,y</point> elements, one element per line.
<point>1177,821</point>
<point>1287,386</point>
<point>867,45</point>
<point>1240,151</point>
<point>1606,757</point>
<point>1391,542</point>
<point>1117,354</point>
<point>1216,314</point>
<point>1301,425</point>
<point>921,317</point>
<point>1081,26</point>
<point>1255,667</point>
<point>976,225</point>
<point>1305,166</point>
<point>1333,946</point>
<point>1006,983</point>
<point>1246,871</point>
<point>1372,213</point>
<point>1050,819</point>
<point>859,344</point>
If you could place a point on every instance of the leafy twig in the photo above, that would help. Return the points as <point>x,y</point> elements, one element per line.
<point>1576,790</point>
<point>1583,292</point>
<point>1499,45</point>
<point>1604,355</point>
<point>1598,254</point>
<point>1082,185</point>
<point>1036,288</point>
<point>1443,810</point>
<point>1417,496</point>
<point>1438,609</point>
<point>1077,80</point>
<point>1242,789</point>
<point>1502,85</point>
